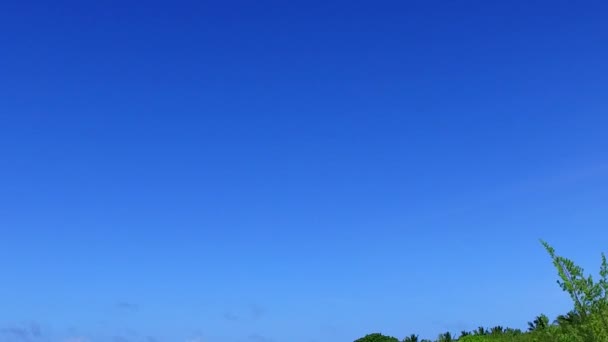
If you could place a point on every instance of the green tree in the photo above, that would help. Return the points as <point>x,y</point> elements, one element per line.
<point>511,331</point>
<point>497,330</point>
<point>590,314</point>
<point>480,331</point>
<point>569,319</point>
<point>540,322</point>
<point>377,337</point>
<point>411,338</point>
<point>445,337</point>
<point>475,338</point>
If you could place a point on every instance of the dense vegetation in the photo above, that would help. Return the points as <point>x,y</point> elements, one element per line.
<point>586,322</point>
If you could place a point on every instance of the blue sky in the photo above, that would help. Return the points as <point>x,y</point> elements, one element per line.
<point>257,171</point>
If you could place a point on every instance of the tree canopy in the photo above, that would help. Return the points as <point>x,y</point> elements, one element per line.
<point>377,337</point>
<point>586,322</point>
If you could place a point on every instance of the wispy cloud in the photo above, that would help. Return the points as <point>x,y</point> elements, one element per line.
<point>127,306</point>
<point>256,311</point>
<point>259,338</point>
<point>15,332</point>
<point>29,332</point>
<point>33,332</point>
<point>229,316</point>
<point>196,339</point>
<point>77,339</point>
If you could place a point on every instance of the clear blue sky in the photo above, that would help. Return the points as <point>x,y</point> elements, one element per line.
<point>257,171</point>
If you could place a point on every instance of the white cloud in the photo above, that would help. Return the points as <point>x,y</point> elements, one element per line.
<point>77,339</point>
<point>195,339</point>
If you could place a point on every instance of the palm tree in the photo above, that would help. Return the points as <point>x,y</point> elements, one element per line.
<point>446,337</point>
<point>540,323</point>
<point>411,338</point>
<point>464,333</point>
<point>481,331</point>
<point>497,330</point>
<point>512,331</point>
<point>568,319</point>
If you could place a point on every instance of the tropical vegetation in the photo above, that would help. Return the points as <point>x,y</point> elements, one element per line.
<point>587,321</point>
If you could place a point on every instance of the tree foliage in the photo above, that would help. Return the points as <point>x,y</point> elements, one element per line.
<point>377,337</point>
<point>586,322</point>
